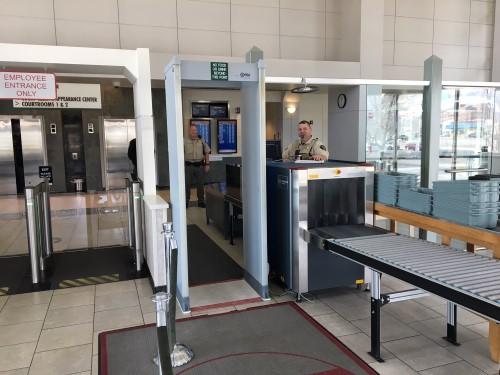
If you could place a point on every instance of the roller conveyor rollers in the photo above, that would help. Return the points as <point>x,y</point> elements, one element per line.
<point>472,281</point>
<point>462,278</point>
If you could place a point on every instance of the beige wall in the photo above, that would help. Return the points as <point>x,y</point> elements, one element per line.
<point>289,29</point>
<point>291,32</point>
<point>458,31</point>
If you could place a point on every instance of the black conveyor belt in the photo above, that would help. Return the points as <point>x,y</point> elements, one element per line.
<point>347,231</point>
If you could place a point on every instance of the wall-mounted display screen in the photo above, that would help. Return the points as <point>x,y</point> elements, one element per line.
<point>200,110</point>
<point>226,137</point>
<point>203,127</point>
<point>219,110</point>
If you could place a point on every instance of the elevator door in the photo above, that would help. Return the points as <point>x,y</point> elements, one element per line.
<point>7,166</point>
<point>117,135</point>
<point>74,157</point>
<point>22,150</point>
<point>33,148</point>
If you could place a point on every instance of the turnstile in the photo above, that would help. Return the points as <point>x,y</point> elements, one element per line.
<point>135,220</point>
<point>39,228</point>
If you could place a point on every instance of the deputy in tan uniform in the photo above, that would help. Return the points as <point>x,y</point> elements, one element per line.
<point>196,156</point>
<point>307,147</point>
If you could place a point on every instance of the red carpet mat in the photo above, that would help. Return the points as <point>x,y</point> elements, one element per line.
<point>272,339</point>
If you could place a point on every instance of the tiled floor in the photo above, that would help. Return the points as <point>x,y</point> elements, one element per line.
<point>55,332</point>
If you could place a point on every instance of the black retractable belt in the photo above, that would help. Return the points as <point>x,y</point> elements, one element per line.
<point>163,359</point>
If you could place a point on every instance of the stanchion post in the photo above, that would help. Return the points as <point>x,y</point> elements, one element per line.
<point>163,359</point>
<point>180,354</point>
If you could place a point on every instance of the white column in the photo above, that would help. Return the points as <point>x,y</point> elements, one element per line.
<point>495,64</point>
<point>431,121</point>
<point>349,121</point>
<point>173,96</point>
<point>253,186</point>
<point>371,42</point>
<point>144,123</point>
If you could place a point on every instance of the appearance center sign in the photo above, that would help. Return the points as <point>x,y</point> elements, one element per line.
<point>69,95</point>
<point>19,85</point>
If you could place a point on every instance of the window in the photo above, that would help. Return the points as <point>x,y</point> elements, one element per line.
<point>466,134</point>
<point>495,147</point>
<point>394,131</point>
<point>469,131</point>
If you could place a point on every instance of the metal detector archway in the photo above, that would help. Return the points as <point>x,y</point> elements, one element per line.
<point>249,78</point>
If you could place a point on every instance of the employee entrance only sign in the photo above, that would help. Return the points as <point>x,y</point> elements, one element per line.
<point>23,85</point>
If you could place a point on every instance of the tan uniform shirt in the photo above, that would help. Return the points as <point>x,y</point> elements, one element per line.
<point>195,149</point>
<point>306,150</point>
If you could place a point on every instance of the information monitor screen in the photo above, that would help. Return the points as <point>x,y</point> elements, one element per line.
<point>200,110</point>
<point>219,110</point>
<point>227,140</point>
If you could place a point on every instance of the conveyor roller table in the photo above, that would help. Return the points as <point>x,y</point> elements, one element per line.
<point>462,278</point>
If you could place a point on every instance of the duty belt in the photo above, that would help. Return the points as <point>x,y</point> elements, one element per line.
<point>194,163</point>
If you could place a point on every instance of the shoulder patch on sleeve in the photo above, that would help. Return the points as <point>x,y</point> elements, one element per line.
<point>323,147</point>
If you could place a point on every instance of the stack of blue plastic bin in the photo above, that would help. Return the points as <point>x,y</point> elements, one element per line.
<point>472,203</point>
<point>416,199</point>
<point>389,184</point>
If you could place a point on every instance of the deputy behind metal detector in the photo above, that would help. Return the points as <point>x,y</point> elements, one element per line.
<point>306,147</point>
<point>196,156</point>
